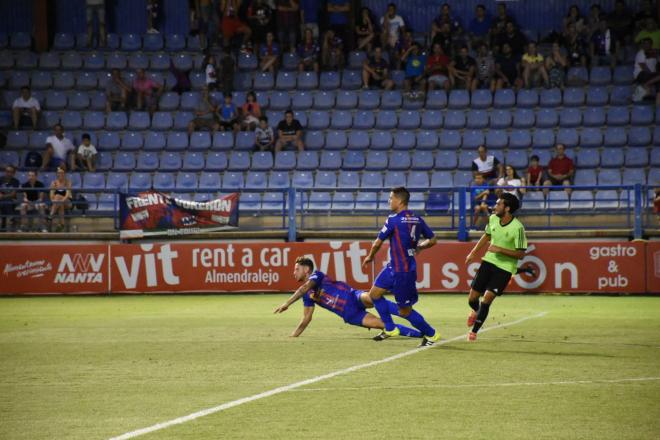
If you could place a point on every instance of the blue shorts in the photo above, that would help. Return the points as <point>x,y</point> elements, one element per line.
<point>401,284</point>
<point>354,312</point>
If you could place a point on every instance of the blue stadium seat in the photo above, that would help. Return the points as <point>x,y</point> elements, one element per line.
<point>656,136</point>
<point>381,140</point>
<point>336,140</point>
<point>117,180</point>
<point>273,201</point>
<point>20,40</point>
<point>459,99</point>
<point>427,140</point>
<point>314,140</point>
<point>422,160</point>
<point>520,138</point>
<point>399,160</point>
<point>325,179</point>
<point>124,161</point>
<point>256,180</point>
<point>7,60</point>
<point>162,121</point>
<point>307,161</point>
<point>543,138</point>
<point>280,101</point>
<point>476,119</point>
<point>64,41</point>
<point>131,141</point>
<point>94,120</point>
<point>386,120</point>
<point>632,176</point>
<point>329,80</point>
<point>547,118</point>
<point>116,60</point>
<point>239,161</point>
<point>94,181</point>
<point>639,136</point>
<point>169,101</point>
<point>139,120</point>
<point>22,79</point>
<point>55,100</point>
<point>557,200</point>
<point>263,160</point>
<point>19,140</point>
<point>186,181</point>
<point>621,95</point>
<point>241,81</point>
<point>412,102</point>
<point>588,158</point>
<point>636,157</point>
<point>330,160</point>
<point>397,77</point>
<point>600,76</point>
<point>26,60</point>
<point>356,58</point>
<point>527,98</point>
<point>517,159</point>
<point>284,161</point>
<point>159,61</point>
<point>97,100</point>
<point>570,117</point>
<point>358,140</point>
<point>176,140</point>
<point>93,61</point>
<point>264,81</point>
<point>612,158</point>
<point>500,119</point>
<point>341,120</point>
<point>247,61</point>
<point>290,61</point>
<point>594,117</point>
<point>245,140</point>
<point>450,139</point>
<point>591,137</point>
<point>366,201</point>
<point>130,42</point>
<point>346,99</point>
<point>193,161</point>
<point>615,137</point>
<point>190,100</point>
<point>170,161</point>
<point>409,119</point>
<point>573,97</point>
<point>72,61</point>
<point>436,99</point>
<point>454,119</point>
<point>116,121</point>
<point>41,80</point>
<point>568,137</point>
<point>324,100</point>
<point>318,201</point>
<point>577,76</point>
<point>654,176</point>
<point>446,160</point>
<point>623,75</point>
<point>216,161</point>
<point>299,100</point>
<point>364,120</point>
<point>209,180</point>
<point>71,120</point>
<point>232,180</point>
<point>285,80</point>
<point>147,161</point>
<point>473,138</point>
<point>182,119</point>
<point>138,60</point>
<point>175,42</point>
<point>497,139</point>
<point>395,179</point>
<point>465,158</point>
<point>609,176</point>
<point>308,81</point>
<point>617,116</point>
<point>302,179</point>
<point>523,118</point>
<point>550,98</point>
<point>51,118</point>
<point>86,80</point>
<point>586,177</point>
<point>432,119</point>
<point>9,158</point>
<point>104,162</point>
<point>581,200</point>
<point>597,96</point>
<point>76,100</point>
<point>642,115</point>
<point>504,98</point>
<point>481,98</point>
<point>440,179</point>
<point>376,160</point>
<point>348,179</point>
<point>391,100</point>
<point>462,178</point>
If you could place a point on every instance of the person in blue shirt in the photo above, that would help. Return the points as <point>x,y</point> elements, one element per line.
<point>228,115</point>
<point>403,229</point>
<point>415,62</point>
<point>336,297</point>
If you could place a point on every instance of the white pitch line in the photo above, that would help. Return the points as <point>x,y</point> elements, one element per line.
<point>285,388</point>
<point>485,385</point>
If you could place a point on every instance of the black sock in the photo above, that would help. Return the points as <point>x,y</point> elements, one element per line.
<point>474,304</point>
<point>481,316</point>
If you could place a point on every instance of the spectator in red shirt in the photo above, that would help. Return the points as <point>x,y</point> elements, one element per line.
<point>534,172</point>
<point>560,169</point>
<point>437,69</point>
<point>147,90</point>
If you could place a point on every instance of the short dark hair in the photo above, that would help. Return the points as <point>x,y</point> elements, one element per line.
<point>511,201</point>
<point>402,194</point>
<point>304,261</point>
<point>534,157</point>
<point>25,88</point>
<point>227,95</point>
<point>288,111</point>
<point>391,5</point>
<point>86,136</point>
<point>263,118</point>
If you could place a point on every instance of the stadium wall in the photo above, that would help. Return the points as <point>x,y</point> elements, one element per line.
<point>248,266</point>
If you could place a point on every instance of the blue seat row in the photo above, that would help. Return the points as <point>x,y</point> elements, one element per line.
<point>129,42</point>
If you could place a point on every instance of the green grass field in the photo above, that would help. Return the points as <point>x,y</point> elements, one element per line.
<point>98,367</point>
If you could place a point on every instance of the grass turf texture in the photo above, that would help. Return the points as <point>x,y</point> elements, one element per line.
<point>93,368</point>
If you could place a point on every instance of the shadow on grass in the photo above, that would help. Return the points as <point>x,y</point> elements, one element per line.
<point>484,349</point>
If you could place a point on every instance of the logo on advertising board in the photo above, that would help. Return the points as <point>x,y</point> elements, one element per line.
<point>27,269</point>
<point>80,268</point>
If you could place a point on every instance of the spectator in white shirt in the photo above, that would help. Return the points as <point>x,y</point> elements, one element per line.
<point>86,156</point>
<point>58,148</point>
<point>25,108</point>
<point>645,71</point>
<point>392,25</point>
<point>511,182</point>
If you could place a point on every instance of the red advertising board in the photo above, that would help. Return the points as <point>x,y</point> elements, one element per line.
<point>57,269</point>
<point>599,266</point>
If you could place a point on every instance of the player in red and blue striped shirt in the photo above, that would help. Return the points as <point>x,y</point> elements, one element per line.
<point>403,229</point>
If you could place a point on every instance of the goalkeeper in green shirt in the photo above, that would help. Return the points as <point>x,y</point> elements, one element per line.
<point>505,236</point>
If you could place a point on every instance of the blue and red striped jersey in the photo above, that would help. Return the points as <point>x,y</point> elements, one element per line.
<point>404,230</point>
<point>336,296</point>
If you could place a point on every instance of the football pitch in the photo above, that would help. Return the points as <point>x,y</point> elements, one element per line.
<point>101,367</point>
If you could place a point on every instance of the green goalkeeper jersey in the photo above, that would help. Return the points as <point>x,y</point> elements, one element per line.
<point>512,236</point>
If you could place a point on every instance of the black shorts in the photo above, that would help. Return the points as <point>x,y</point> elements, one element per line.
<point>491,277</point>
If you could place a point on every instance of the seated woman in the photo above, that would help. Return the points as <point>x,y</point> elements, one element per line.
<point>60,197</point>
<point>511,182</point>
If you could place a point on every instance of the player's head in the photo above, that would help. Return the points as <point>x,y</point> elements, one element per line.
<point>399,198</point>
<point>303,267</point>
<point>506,203</point>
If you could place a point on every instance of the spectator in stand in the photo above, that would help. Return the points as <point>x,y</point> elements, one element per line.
<point>204,16</point>
<point>437,69</point>
<point>483,199</point>
<point>556,65</point>
<point>86,156</point>
<point>576,46</point>
<point>264,135</point>
<point>392,25</point>
<point>365,31</point>
<point>404,44</point>
<point>154,9</point>
<point>375,72</point>
<point>602,48</point>
<point>445,39</point>
<point>338,12</point>
<point>260,19</point>
<point>60,197</point>
<point>487,165</point>
<point>116,92</point>
<point>533,67</point>
<point>650,31</point>
<point>228,68</point>
<point>309,16</point>
<point>289,133</point>
<point>510,183</point>
<point>591,24</point>
<point>574,18</point>
<point>646,11</point>
<point>479,26</point>
<point>332,51</point>
<point>499,23</point>
<point>507,70</point>
<point>95,8</point>
<point>211,72</point>
<point>148,91</point>
<point>57,152</point>
<point>288,12</point>
<point>621,26</point>
<point>308,51</point>
<point>228,114</point>
<point>560,170</point>
<point>534,172</point>
<point>231,24</point>
<point>462,69</point>
<point>33,202</point>
<point>516,40</point>
<point>485,70</point>
<point>269,53</point>
<point>182,80</point>
<point>645,70</point>
<point>205,115</point>
<point>8,186</point>
<point>25,109</point>
<point>415,63</point>
<point>251,112</point>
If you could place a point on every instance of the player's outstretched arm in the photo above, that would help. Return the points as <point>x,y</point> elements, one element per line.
<point>304,322</point>
<point>429,242</point>
<point>309,284</point>
<point>485,239</point>
<point>517,253</point>
<point>375,247</point>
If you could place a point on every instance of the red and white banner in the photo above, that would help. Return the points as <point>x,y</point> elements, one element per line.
<point>601,266</point>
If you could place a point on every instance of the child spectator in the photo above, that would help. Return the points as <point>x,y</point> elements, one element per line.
<point>534,172</point>
<point>86,157</point>
<point>269,54</point>
<point>264,135</point>
<point>228,114</point>
<point>308,51</point>
<point>211,73</point>
<point>483,198</point>
<point>251,112</point>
